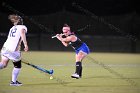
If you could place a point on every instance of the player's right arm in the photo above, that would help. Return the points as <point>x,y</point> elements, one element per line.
<point>23,37</point>
<point>65,41</point>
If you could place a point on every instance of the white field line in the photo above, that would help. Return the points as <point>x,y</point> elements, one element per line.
<point>88,65</point>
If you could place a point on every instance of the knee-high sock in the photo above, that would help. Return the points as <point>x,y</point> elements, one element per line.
<point>78,67</point>
<point>80,74</point>
<point>15,74</point>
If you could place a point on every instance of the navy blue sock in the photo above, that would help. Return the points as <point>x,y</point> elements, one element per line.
<point>79,68</point>
<point>80,74</point>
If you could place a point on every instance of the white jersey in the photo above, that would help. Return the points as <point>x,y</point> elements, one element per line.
<point>14,37</point>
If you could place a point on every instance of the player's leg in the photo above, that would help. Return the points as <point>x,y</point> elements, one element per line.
<point>80,55</point>
<point>15,73</point>
<point>79,58</point>
<point>17,67</point>
<point>4,62</point>
<point>83,53</point>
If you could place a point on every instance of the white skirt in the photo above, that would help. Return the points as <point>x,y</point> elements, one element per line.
<point>12,55</point>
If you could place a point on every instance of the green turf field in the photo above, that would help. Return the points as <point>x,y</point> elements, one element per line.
<point>102,73</point>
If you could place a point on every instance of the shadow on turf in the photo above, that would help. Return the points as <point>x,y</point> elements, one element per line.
<point>36,84</point>
<point>97,77</point>
<point>108,77</point>
<point>97,85</point>
<point>109,69</point>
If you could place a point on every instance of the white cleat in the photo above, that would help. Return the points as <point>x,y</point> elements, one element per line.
<point>75,75</point>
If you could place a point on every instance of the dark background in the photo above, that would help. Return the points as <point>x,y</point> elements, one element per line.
<point>99,7</point>
<point>105,25</point>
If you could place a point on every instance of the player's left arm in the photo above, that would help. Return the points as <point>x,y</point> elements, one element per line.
<point>23,37</point>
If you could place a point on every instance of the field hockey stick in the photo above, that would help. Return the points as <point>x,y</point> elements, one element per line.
<point>55,36</point>
<point>38,68</point>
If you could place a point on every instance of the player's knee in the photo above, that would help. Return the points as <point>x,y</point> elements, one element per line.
<point>17,64</point>
<point>3,65</point>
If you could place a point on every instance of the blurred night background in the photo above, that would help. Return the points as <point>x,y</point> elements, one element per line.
<point>105,25</point>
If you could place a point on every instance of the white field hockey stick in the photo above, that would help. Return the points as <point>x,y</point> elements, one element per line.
<point>55,36</point>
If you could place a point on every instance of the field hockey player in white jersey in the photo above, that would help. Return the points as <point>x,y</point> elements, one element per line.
<point>11,48</point>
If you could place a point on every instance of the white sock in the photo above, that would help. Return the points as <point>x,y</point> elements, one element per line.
<point>15,74</point>
<point>1,65</point>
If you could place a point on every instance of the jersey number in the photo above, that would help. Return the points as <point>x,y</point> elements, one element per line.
<point>12,32</point>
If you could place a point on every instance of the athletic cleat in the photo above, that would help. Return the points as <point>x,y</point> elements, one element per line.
<point>15,83</point>
<point>51,71</point>
<point>75,75</point>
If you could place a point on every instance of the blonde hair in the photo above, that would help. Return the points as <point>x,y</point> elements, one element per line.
<point>15,18</point>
